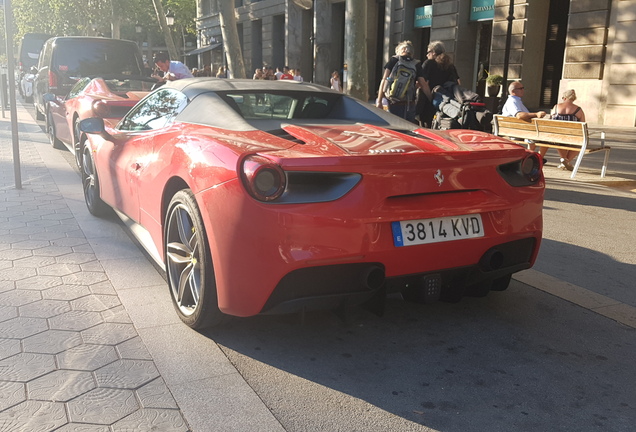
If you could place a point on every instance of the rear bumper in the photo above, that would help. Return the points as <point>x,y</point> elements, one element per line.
<point>349,284</point>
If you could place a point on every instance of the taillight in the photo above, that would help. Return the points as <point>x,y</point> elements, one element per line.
<point>52,81</point>
<point>263,178</point>
<point>524,172</point>
<point>101,109</point>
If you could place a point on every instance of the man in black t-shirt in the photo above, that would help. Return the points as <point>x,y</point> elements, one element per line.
<point>436,70</point>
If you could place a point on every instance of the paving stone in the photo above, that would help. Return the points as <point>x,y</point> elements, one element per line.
<point>9,347</point>
<point>52,341</point>
<point>30,244</point>
<point>102,406</point>
<point>44,308</point>
<point>105,287</point>
<point>156,394</point>
<point>24,367</point>
<point>66,292</point>
<point>34,262</point>
<point>43,223</point>
<point>86,248</point>
<point>17,273</point>
<point>53,251</point>
<point>33,416</point>
<point>70,242</point>
<point>49,236</point>
<point>38,282</point>
<point>126,374</point>
<point>11,393</point>
<point>108,333</point>
<point>85,278</point>
<point>81,427</point>
<point>75,320</point>
<point>22,327</point>
<point>92,266</point>
<point>148,420</point>
<point>61,385</point>
<point>6,286</point>
<point>134,349</point>
<point>8,312</point>
<point>87,357</point>
<point>16,297</point>
<point>95,302</point>
<point>117,314</point>
<point>59,269</point>
<point>13,238</point>
<point>77,258</point>
<point>28,231</point>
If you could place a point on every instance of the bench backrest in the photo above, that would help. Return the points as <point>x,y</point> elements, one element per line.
<point>542,130</point>
<point>561,132</point>
<point>514,127</point>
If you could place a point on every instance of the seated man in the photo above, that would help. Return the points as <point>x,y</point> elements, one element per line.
<point>514,107</point>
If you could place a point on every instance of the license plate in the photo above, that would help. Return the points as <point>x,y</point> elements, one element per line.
<point>437,230</point>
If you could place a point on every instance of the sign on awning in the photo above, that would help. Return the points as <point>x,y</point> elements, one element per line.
<point>482,10</point>
<point>424,16</point>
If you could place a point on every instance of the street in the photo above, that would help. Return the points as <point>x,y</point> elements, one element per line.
<point>520,360</point>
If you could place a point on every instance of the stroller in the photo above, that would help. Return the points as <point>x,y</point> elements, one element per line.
<point>459,108</point>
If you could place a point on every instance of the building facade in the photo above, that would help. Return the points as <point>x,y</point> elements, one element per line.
<point>552,45</point>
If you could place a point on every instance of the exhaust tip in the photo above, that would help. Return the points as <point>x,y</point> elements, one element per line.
<point>373,278</point>
<point>492,260</point>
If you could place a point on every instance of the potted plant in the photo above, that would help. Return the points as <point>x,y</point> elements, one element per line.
<point>494,82</point>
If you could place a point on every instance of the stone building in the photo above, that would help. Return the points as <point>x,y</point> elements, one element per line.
<point>588,45</point>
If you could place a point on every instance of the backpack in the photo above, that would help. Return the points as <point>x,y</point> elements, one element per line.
<point>401,80</point>
<point>459,108</point>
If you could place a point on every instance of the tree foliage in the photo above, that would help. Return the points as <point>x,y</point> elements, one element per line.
<point>96,17</point>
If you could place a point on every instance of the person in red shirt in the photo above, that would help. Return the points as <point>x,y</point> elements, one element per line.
<point>286,75</point>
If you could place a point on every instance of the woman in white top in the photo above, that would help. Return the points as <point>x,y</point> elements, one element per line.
<point>336,84</point>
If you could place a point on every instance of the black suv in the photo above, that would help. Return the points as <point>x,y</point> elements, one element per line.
<point>29,52</point>
<point>64,60</point>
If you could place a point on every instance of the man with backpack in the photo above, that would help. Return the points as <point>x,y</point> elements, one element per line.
<point>398,82</point>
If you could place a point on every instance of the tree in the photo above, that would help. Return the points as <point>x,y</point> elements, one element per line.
<point>163,24</point>
<point>230,38</point>
<point>356,49</point>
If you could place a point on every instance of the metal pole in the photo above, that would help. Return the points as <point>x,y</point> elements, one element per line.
<point>8,24</point>
<point>504,93</point>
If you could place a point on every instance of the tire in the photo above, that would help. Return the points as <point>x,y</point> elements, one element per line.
<point>50,131</point>
<point>90,185</point>
<point>78,144</point>
<point>189,264</point>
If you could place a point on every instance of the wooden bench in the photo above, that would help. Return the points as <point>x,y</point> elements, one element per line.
<point>565,135</point>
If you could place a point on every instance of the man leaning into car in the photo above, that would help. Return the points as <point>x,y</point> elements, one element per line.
<point>172,70</point>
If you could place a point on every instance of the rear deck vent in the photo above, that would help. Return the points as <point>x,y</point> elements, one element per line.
<point>282,133</point>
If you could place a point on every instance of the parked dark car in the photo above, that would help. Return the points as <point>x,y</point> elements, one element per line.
<point>29,53</point>
<point>66,59</point>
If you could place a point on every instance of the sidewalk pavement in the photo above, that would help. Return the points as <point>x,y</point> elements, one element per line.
<point>89,339</point>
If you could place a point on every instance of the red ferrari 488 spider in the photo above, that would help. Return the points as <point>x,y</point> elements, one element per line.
<point>107,97</point>
<point>270,196</point>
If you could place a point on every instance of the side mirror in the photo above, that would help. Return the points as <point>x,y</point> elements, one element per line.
<point>92,125</point>
<point>48,97</point>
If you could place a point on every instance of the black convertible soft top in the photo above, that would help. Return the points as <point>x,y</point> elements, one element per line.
<point>209,104</point>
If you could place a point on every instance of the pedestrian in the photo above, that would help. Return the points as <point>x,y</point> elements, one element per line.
<point>258,74</point>
<point>279,73</point>
<point>401,73</point>
<point>269,74</point>
<point>286,75</point>
<point>567,110</point>
<point>297,76</point>
<point>437,69</point>
<point>222,72</point>
<point>172,70</point>
<point>514,107</point>
<point>336,84</point>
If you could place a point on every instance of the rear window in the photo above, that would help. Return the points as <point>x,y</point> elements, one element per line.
<point>30,47</point>
<point>77,58</point>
